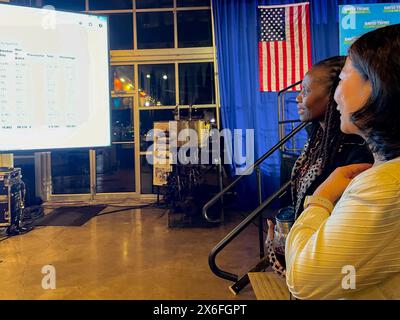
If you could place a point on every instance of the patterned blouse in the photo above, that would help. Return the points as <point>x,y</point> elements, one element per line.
<point>306,177</point>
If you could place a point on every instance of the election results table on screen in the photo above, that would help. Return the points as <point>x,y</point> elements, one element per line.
<point>55,75</point>
<point>54,79</point>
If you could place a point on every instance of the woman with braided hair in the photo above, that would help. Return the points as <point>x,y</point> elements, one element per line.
<point>327,147</point>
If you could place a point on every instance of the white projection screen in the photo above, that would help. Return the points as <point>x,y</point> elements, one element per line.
<point>54,79</point>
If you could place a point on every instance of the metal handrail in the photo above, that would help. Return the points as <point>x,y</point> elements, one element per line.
<point>236,231</point>
<point>247,171</point>
<point>290,87</point>
<point>288,121</point>
<point>281,116</point>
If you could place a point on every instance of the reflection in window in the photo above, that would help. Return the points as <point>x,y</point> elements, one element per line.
<point>146,176</point>
<point>70,172</point>
<point>192,3</point>
<point>147,4</point>
<point>122,119</point>
<point>206,114</point>
<point>196,83</point>
<point>110,4</point>
<point>155,30</point>
<point>115,168</point>
<point>121,31</point>
<point>71,5</point>
<point>122,79</point>
<point>194,29</point>
<point>147,119</point>
<point>156,85</point>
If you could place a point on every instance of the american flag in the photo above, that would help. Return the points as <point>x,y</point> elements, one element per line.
<point>284,47</point>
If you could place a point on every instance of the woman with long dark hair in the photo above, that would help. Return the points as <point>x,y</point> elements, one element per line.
<point>346,243</point>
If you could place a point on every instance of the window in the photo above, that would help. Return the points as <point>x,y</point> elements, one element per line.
<point>115,168</point>
<point>22,2</point>
<point>121,31</point>
<point>69,5</point>
<point>110,4</point>
<point>157,85</point>
<point>196,83</point>
<point>155,30</point>
<point>147,4</point>
<point>158,25</point>
<point>122,120</point>
<point>147,119</point>
<point>70,171</point>
<point>122,79</point>
<point>207,114</point>
<point>193,3</point>
<point>194,29</point>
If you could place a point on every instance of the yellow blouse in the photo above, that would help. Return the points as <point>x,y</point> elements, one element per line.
<point>354,253</point>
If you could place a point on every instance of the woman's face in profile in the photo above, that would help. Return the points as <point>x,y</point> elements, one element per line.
<point>351,95</point>
<point>313,98</point>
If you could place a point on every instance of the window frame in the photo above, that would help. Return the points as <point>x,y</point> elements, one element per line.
<point>174,55</point>
<point>174,10</point>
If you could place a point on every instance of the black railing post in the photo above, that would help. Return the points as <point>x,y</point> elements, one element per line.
<point>260,222</point>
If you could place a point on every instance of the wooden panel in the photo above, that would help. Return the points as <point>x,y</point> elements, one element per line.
<point>269,286</point>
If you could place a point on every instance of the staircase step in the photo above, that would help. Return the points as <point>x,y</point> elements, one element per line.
<point>269,286</point>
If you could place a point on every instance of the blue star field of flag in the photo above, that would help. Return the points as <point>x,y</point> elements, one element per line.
<point>272,24</point>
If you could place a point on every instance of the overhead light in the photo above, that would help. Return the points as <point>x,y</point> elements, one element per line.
<point>147,76</point>
<point>165,77</point>
<point>212,120</point>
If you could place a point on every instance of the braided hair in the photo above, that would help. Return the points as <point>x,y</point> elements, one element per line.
<point>328,143</point>
<point>323,144</point>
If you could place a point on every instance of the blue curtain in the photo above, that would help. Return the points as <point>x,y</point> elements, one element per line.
<point>242,105</point>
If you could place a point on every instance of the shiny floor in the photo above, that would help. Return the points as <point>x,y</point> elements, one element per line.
<point>124,255</point>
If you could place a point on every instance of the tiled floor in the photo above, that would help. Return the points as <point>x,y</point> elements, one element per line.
<point>125,255</point>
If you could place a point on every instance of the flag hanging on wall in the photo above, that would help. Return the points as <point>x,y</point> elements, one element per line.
<point>284,45</point>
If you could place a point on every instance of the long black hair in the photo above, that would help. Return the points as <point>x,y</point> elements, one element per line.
<point>376,56</point>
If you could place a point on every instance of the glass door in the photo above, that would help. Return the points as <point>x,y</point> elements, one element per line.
<point>115,166</point>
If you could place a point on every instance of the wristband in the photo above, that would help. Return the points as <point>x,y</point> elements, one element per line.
<point>323,202</point>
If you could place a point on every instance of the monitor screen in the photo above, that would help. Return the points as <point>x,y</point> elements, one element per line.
<point>54,79</point>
